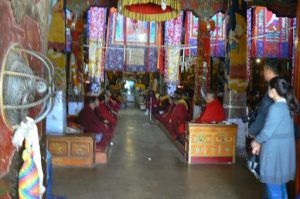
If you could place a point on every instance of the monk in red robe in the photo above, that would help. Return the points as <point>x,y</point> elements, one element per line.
<point>113,104</point>
<point>213,112</point>
<point>89,120</point>
<point>178,118</point>
<point>167,113</point>
<point>106,112</point>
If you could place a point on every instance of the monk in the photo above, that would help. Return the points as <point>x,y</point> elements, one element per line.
<point>213,112</point>
<point>163,103</point>
<point>113,104</point>
<point>88,119</point>
<point>163,118</point>
<point>177,119</point>
<point>106,112</point>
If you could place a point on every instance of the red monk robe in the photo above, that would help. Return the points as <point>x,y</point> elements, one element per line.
<point>114,105</point>
<point>214,112</point>
<point>164,118</point>
<point>106,114</point>
<point>178,117</point>
<point>89,120</point>
<point>167,116</point>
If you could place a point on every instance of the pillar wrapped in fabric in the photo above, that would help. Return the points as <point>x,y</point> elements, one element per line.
<point>150,10</point>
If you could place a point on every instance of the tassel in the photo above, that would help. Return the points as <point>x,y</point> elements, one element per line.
<point>28,130</point>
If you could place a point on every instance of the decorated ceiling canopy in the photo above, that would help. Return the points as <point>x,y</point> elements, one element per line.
<point>201,8</point>
<point>204,8</point>
<point>150,10</point>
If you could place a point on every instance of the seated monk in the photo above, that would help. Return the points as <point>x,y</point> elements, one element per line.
<point>213,112</point>
<point>167,113</point>
<point>178,118</point>
<point>163,103</point>
<point>89,120</point>
<point>114,105</point>
<point>106,112</point>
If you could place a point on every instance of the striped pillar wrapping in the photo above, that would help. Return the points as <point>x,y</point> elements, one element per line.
<point>28,176</point>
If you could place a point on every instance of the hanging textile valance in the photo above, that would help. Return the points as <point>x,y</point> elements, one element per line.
<point>217,38</point>
<point>128,43</point>
<point>150,10</point>
<point>271,35</point>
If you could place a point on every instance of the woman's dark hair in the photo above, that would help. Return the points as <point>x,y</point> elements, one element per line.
<point>284,89</point>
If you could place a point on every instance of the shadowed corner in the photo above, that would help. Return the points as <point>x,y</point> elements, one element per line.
<point>4,188</point>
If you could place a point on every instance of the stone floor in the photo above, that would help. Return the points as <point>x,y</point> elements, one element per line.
<point>144,164</point>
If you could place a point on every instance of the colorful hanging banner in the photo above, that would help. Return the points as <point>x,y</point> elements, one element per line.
<point>173,30</point>
<point>217,38</point>
<point>271,35</point>
<point>236,46</point>
<point>97,21</point>
<point>128,41</point>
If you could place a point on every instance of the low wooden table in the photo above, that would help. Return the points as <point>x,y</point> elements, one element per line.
<point>210,143</point>
<point>72,150</point>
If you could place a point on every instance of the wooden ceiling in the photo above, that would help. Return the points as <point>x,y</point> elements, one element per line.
<point>280,7</point>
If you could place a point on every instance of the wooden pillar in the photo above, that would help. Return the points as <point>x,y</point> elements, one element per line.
<point>296,84</point>
<point>202,75</point>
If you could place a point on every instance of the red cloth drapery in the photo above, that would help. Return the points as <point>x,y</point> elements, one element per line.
<point>148,8</point>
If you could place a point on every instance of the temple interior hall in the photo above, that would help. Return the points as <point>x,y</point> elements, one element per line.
<point>149,99</point>
<point>144,163</point>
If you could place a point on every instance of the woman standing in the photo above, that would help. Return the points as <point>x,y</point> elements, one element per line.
<point>276,143</point>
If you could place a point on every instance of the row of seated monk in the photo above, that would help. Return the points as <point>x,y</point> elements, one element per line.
<point>99,116</point>
<point>174,113</point>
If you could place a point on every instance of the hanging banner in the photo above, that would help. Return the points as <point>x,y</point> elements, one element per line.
<point>127,37</point>
<point>271,35</point>
<point>96,20</point>
<point>236,46</point>
<point>173,30</point>
<point>217,37</point>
